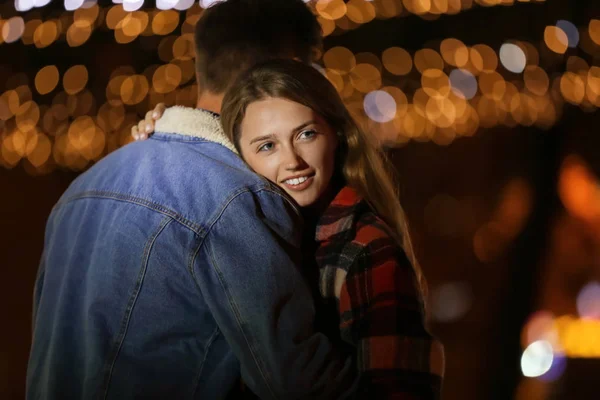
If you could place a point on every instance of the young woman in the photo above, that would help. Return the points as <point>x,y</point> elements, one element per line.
<point>289,124</point>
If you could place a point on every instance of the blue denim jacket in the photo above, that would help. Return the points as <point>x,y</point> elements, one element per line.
<point>170,270</point>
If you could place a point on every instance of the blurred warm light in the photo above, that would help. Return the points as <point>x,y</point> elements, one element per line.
<point>27,116</point>
<point>492,85</point>
<point>579,190</point>
<point>435,82</point>
<point>556,39</point>
<point>397,61</point>
<point>365,78</point>
<point>428,59</point>
<point>594,30</point>
<point>360,11</point>
<point>418,7</point>
<point>40,153</point>
<point>78,34</point>
<point>165,22</point>
<point>536,80</point>
<point>572,87</point>
<point>45,34</point>
<point>327,25</point>
<point>340,59</point>
<point>46,79</point>
<point>75,79</point>
<point>183,47</point>
<point>593,86</point>
<point>30,27</point>
<point>331,9</point>
<point>450,301</point>
<point>380,106</point>
<point>134,89</point>
<point>579,337</point>
<point>577,65</point>
<point>166,78</point>
<point>454,52</point>
<point>537,358</point>
<point>506,222</point>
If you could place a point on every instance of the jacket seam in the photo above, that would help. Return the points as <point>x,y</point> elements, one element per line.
<point>198,229</point>
<point>129,310</point>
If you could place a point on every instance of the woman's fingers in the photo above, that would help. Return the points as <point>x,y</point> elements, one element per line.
<point>145,127</point>
<point>158,110</point>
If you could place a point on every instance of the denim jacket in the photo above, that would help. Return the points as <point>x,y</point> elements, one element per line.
<point>169,271</point>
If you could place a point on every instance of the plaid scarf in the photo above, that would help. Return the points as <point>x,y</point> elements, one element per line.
<point>367,276</point>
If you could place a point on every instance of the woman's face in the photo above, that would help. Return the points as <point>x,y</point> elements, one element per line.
<point>291,145</point>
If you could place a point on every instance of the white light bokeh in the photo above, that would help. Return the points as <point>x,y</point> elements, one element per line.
<point>24,5</point>
<point>571,31</point>
<point>513,58</point>
<point>166,4</point>
<point>41,3</point>
<point>132,5</point>
<point>208,3</point>
<point>380,106</point>
<point>71,5</point>
<point>537,359</point>
<point>588,301</point>
<point>463,83</point>
<point>450,301</point>
<point>184,4</point>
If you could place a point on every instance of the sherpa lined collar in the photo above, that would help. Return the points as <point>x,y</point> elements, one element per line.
<point>193,122</point>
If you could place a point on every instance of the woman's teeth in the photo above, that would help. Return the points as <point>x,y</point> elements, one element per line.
<point>296,181</point>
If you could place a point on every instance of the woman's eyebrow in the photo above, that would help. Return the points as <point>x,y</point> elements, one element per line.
<point>261,138</point>
<point>304,125</point>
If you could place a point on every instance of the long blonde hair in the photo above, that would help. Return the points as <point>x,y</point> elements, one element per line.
<point>365,168</point>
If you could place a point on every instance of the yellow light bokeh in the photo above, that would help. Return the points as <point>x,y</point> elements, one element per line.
<point>360,11</point>
<point>572,87</point>
<point>454,52</point>
<point>397,61</point>
<point>134,89</point>
<point>556,39</point>
<point>331,9</point>
<point>165,22</point>
<point>340,59</point>
<point>46,79</point>
<point>166,78</point>
<point>75,79</point>
<point>78,34</point>
<point>45,34</point>
<point>428,59</point>
<point>536,80</point>
<point>365,78</point>
<point>594,30</point>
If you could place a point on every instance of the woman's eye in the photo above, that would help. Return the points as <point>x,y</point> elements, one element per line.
<point>266,147</point>
<point>307,134</point>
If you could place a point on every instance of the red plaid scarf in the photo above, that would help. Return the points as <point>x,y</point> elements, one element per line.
<point>372,282</point>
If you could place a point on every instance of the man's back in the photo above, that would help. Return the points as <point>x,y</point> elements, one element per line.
<point>136,294</point>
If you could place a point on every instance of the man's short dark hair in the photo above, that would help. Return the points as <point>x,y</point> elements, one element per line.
<point>233,35</point>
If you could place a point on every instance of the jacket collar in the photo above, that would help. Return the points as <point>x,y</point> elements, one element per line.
<point>194,122</point>
<point>340,216</point>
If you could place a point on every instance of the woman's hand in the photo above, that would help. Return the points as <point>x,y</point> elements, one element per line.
<point>145,127</point>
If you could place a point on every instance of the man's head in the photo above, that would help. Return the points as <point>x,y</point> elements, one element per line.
<point>233,35</point>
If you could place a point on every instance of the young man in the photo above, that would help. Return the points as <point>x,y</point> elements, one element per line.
<point>170,270</point>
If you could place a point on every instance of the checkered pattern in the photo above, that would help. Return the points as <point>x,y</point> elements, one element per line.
<point>370,279</point>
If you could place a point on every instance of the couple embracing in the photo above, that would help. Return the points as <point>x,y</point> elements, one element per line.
<point>253,246</point>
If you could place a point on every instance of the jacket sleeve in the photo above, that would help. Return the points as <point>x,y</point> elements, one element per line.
<point>262,304</point>
<point>381,314</point>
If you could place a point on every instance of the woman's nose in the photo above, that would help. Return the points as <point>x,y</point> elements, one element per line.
<point>293,160</point>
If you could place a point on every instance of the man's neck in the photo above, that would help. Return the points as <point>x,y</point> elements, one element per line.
<point>210,101</point>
